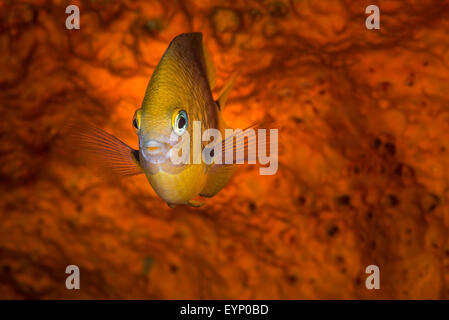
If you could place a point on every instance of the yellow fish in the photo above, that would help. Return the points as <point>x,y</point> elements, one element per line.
<point>178,94</point>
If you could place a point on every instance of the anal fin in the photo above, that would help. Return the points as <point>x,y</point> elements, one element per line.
<point>195,203</point>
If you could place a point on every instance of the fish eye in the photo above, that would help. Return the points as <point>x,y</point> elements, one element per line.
<point>136,119</point>
<point>180,123</point>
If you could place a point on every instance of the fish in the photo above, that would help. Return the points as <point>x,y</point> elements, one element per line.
<point>178,94</point>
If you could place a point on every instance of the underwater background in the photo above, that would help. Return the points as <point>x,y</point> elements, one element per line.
<point>363,152</point>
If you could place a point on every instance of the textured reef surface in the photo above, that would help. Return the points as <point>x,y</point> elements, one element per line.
<point>363,152</point>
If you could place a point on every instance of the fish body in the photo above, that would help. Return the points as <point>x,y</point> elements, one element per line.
<point>179,82</point>
<point>178,94</point>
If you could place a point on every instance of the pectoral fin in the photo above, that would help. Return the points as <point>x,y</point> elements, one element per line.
<point>105,149</point>
<point>240,146</point>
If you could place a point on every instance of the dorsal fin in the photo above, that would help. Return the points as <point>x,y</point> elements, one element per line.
<point>183,72</point>
<point>194,41</point>
<point>210,68</point>
<point>224,93</point>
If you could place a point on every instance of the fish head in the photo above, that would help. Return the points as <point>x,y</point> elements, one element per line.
<point>163,126</point>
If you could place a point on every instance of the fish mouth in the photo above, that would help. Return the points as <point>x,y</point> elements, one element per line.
<point>154,147</point>
<point>155,151</point>
<point>156,156</point>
